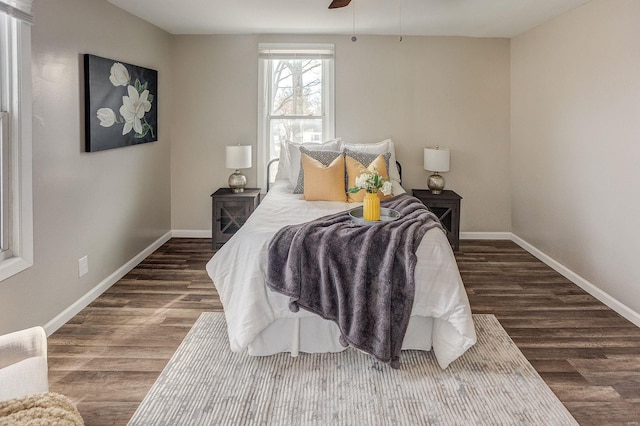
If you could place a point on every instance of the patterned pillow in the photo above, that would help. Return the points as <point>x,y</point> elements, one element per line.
<point>324,157</point>
<point>366,158</point>
<point>292,153</point>
<point>378,148</point>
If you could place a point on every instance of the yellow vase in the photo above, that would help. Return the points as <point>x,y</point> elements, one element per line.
<point>371,207</point>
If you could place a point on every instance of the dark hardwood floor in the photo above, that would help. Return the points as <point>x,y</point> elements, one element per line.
<point>108,356</point>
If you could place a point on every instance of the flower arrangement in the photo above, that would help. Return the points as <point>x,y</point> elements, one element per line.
<point>134,106</point>
<point>372,182</point>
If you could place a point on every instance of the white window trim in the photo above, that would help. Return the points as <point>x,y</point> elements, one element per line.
<point>5,201</point>
<point>278,49</point>
<point>20,161</point>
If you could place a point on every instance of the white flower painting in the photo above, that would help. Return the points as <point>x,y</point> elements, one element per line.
<point>120,99</point>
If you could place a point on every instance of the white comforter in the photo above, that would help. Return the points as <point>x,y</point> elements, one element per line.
<point>239,268</point>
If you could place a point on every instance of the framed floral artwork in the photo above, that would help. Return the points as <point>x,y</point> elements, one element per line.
<point>121,104</point>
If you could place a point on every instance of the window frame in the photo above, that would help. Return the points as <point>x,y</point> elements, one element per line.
<point>269,51</point>
<point>16,173</point>
<point>5,191</point>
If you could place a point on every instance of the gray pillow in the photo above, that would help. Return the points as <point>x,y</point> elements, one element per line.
<point>325,157</point>
<point>366,158</point>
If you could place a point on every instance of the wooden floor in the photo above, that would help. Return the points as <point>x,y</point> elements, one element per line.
<point>108,356</point>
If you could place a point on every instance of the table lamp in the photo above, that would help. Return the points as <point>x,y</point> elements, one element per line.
<point>238,157</point>
<point>436,160</point>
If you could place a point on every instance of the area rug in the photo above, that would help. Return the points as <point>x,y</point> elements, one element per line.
<point>205,383</point>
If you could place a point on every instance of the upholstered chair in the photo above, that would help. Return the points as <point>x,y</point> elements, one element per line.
<point>23,363</point>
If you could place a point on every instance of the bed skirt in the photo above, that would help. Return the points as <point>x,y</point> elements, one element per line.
<point>317,335</point>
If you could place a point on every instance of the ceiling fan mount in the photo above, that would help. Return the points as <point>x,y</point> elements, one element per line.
<point>335,4</point>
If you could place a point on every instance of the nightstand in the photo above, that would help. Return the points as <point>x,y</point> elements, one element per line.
<point>446,206</point>
<point>230,211</point>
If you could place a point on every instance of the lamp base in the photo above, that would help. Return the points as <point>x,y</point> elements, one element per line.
<point>435,183</point>
<point>237,182</point>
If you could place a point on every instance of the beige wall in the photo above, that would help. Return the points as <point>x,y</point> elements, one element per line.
<point>215,103</point>
<point>543,132</point>
<point>450,91</point>
<point>109,205</point>
<point>576,143</point>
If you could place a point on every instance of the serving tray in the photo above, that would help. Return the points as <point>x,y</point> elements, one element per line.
<point>386,215</point>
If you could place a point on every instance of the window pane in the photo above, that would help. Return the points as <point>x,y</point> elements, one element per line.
<point>4,182</point>
<point>301,130</point>
<point>296,87</point>
<point>4,135</point>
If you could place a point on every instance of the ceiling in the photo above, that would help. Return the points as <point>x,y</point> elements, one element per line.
<point>472,18</point>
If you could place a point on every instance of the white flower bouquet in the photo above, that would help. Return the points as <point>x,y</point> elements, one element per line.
<point>372,182</point>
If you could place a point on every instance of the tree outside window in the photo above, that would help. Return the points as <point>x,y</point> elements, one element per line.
<point>296,102</point>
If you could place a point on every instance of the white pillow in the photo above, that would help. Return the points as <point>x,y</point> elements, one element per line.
<point>293,155</point>
<point>378,148</point>
<point>283,163</point>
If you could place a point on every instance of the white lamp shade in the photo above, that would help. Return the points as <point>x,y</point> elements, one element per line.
<point>436,159</point>
<point>238,156</point>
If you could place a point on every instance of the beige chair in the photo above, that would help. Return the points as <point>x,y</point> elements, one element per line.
<point>24,383</point>
<point>23,363</point>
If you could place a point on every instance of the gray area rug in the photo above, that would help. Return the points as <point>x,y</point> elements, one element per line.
<point>206,384</point>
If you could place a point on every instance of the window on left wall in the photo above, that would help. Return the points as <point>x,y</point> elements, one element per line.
<point>16,206</point>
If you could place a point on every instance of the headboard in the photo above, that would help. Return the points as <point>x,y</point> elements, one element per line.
<point>275,160</point>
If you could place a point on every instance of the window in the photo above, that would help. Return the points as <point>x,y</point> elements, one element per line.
<point>16,215</point>
<point>296,98</point>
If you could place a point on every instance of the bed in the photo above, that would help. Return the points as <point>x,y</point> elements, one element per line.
<point>260,322</point>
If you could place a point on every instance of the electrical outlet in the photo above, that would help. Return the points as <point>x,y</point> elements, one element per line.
<point>83,266</point>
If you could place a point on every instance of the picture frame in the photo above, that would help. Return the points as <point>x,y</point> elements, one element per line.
<point>121,104</point>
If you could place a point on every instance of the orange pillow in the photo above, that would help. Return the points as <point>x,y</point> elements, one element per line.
<point>323,183</point>
<point>355,169</point>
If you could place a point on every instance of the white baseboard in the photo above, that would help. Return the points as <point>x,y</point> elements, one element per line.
<point>191,233</point>
<point>485,235</point>
<point>93,294</point>
<point>581,282</point>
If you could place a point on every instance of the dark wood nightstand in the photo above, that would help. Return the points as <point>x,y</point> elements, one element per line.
<point>446,206</point>
<point>230,211</point>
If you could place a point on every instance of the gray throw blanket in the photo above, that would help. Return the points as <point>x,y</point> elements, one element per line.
<point>360,277</point>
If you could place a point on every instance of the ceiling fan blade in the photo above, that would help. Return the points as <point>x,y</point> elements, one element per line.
<point>335,4</point>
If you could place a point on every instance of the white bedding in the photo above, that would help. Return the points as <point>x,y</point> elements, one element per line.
<point>257,318</point>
